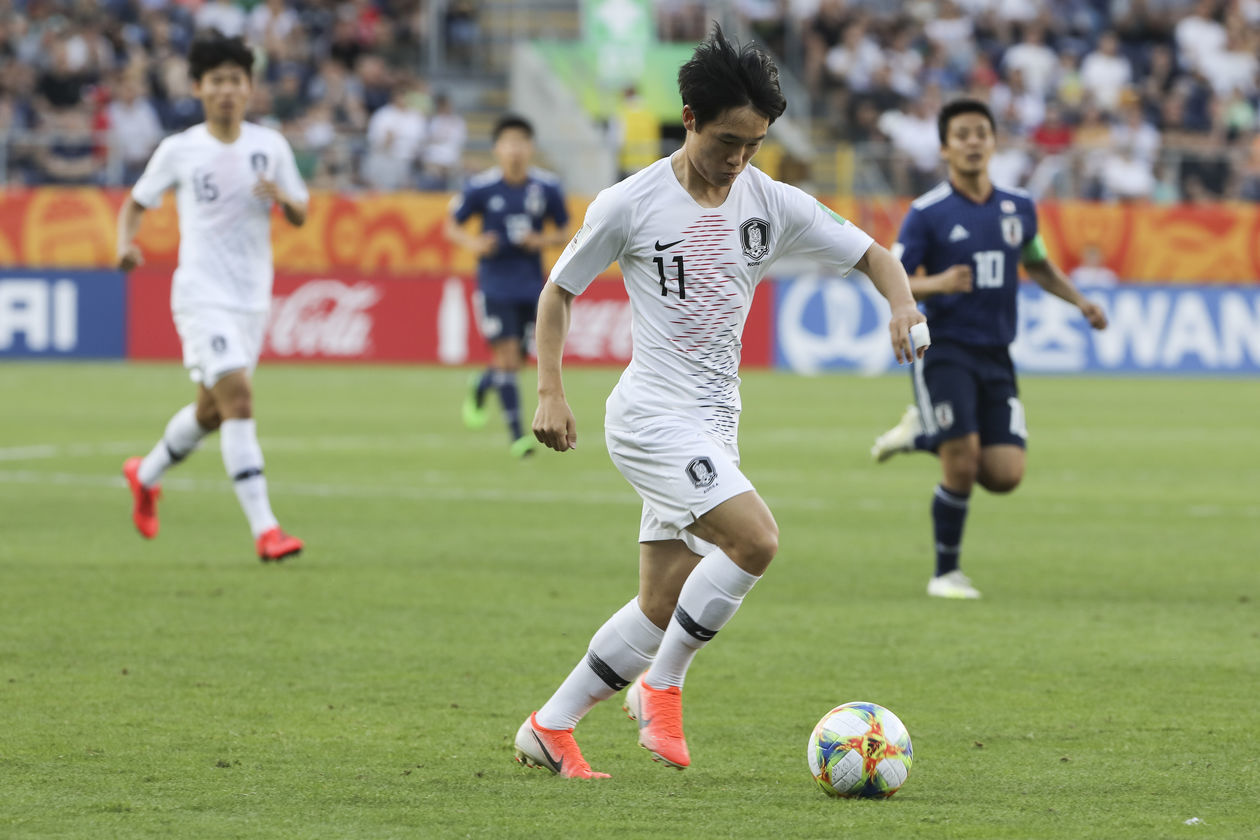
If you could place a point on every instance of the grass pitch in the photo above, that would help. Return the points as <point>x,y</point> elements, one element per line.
<point>1106,687</point>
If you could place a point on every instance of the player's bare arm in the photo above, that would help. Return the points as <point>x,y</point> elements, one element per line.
<point>1050,277</point>
<point>953,280</point>
<point>294,210</point>
<point>554,424</point>
<point>480,244</point>
<point>889,277</point>
<point>129,217</point>
<point>552,238</point>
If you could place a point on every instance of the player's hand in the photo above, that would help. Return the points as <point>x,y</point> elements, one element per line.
<point>531,241</point>
<point>903,318</point>
<point>130,258</point>
<point>554,424</point>
<point>1094,314</point>
<point>485,244</point>
<point>269,190</point>
<point>956,279</point>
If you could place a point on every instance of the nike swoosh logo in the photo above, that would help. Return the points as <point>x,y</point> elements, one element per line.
<point>666,247</point>
<point>556,765</point>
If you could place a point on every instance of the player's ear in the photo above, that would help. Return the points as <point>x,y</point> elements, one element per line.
<point>688,118</point>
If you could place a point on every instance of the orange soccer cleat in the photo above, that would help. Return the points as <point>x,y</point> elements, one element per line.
<point>144,508</point>
<point>277,545</point>
<point>553,749</point>
<point>659,713</point>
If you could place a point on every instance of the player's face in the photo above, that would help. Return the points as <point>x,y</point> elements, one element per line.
<point>514,150</point>
<point>969,144</point>
<point>721,149</point>
<point>224,92</point>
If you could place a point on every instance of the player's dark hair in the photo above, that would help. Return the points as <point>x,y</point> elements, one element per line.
<point>962,106</point>
<point>722,75</point>
<point>511,121</point>
<point>212,48</point>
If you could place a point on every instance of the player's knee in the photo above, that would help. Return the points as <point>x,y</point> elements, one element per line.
<point>755,552</point>
<point>208,417</point>
<point>1003,482</point>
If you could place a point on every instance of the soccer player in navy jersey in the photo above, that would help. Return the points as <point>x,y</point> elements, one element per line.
<point>961,243</point>
<point>515,200</point>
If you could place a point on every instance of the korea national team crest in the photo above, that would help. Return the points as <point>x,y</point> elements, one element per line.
<point>258,163</point>
<point>754,236</point>
<point>701,472</point>
<point>1012,230</point>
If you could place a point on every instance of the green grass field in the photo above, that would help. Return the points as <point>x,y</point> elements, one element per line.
<point>1106,687</point>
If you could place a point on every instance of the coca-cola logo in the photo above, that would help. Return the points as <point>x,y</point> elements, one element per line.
<point>600,329</point>
<point>323,318</point>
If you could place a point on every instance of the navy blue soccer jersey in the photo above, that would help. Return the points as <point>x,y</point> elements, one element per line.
<point>944,229</point>
<point>510,212</point>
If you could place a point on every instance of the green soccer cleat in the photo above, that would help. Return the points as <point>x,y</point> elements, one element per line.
<point>522,447</point>
<point>475,414</point>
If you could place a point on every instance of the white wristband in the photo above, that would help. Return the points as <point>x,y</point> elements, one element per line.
<point>919,335</point>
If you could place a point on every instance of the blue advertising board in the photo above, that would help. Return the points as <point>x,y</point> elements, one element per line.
<point>830,324</point>
<point>54,313</point>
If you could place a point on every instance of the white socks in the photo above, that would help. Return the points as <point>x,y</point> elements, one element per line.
<point>182,435</point>
<point>618,653</point>
<point>710,596</point>
<point>242,456</point>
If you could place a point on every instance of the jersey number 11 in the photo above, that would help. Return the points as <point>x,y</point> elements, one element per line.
<point>660,269</point>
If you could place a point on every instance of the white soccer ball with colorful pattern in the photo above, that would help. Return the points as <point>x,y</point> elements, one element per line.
<point>860,750</point>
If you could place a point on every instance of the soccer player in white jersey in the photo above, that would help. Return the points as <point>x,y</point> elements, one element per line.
<point>227,175</point>
<point>693,233</point>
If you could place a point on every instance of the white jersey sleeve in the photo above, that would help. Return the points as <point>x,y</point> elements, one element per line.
<point>158,177</point>
<point>812,231</point>
<point>287,176</point>
<point>598,243</point>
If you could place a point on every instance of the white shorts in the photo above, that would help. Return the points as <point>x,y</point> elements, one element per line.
<point>680,472</point>
<point>218,341</point>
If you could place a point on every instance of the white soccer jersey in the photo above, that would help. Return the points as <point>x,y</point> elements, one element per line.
<point>224,229</point>
<point>690,272</point>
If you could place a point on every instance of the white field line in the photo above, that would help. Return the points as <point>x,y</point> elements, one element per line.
<point>443,486</point>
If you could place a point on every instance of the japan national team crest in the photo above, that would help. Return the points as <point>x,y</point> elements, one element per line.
<point>754,236</point>
<point>1012,230</point>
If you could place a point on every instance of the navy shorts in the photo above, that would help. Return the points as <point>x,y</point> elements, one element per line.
<point>963,389</point>
<point>499,318</point>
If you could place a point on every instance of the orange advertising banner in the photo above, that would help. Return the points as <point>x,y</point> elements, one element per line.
<point>402,233</point>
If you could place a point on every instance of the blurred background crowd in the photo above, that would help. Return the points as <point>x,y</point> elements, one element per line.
<point>1102,99</point>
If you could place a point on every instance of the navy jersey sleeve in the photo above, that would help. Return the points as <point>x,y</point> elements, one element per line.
<point>557,210</point>
<point>1034,225</point>
<point>467,204</point>
<point>912,241</point>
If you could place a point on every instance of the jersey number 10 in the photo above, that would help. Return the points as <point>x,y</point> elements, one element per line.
<point>990,269</point>
<point>660,269</point>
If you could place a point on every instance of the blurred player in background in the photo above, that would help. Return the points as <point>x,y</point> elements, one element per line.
<point>515,200</point>
<point>694,234</point>
<point>965,239</point>
<point>227,175</point>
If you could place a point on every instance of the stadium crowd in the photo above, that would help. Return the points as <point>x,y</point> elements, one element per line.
<point>1113,99</point>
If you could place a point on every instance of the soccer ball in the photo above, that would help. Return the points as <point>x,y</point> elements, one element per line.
<point>860,749</point>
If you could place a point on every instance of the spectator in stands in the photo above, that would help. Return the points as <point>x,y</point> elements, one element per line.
<point>134,126</point>
<point>271,24</point>
<point>1105,72</point>
<point>67,153</point>
<point>1199,34</point>
<point>395,136</point>
<point>442,158</point>
<point>1234,67</point>
<point>1017,109</point>
<point>60,85</point>
<point>821,33</point>
<point>1035,61</point>
<point>224,15</point>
